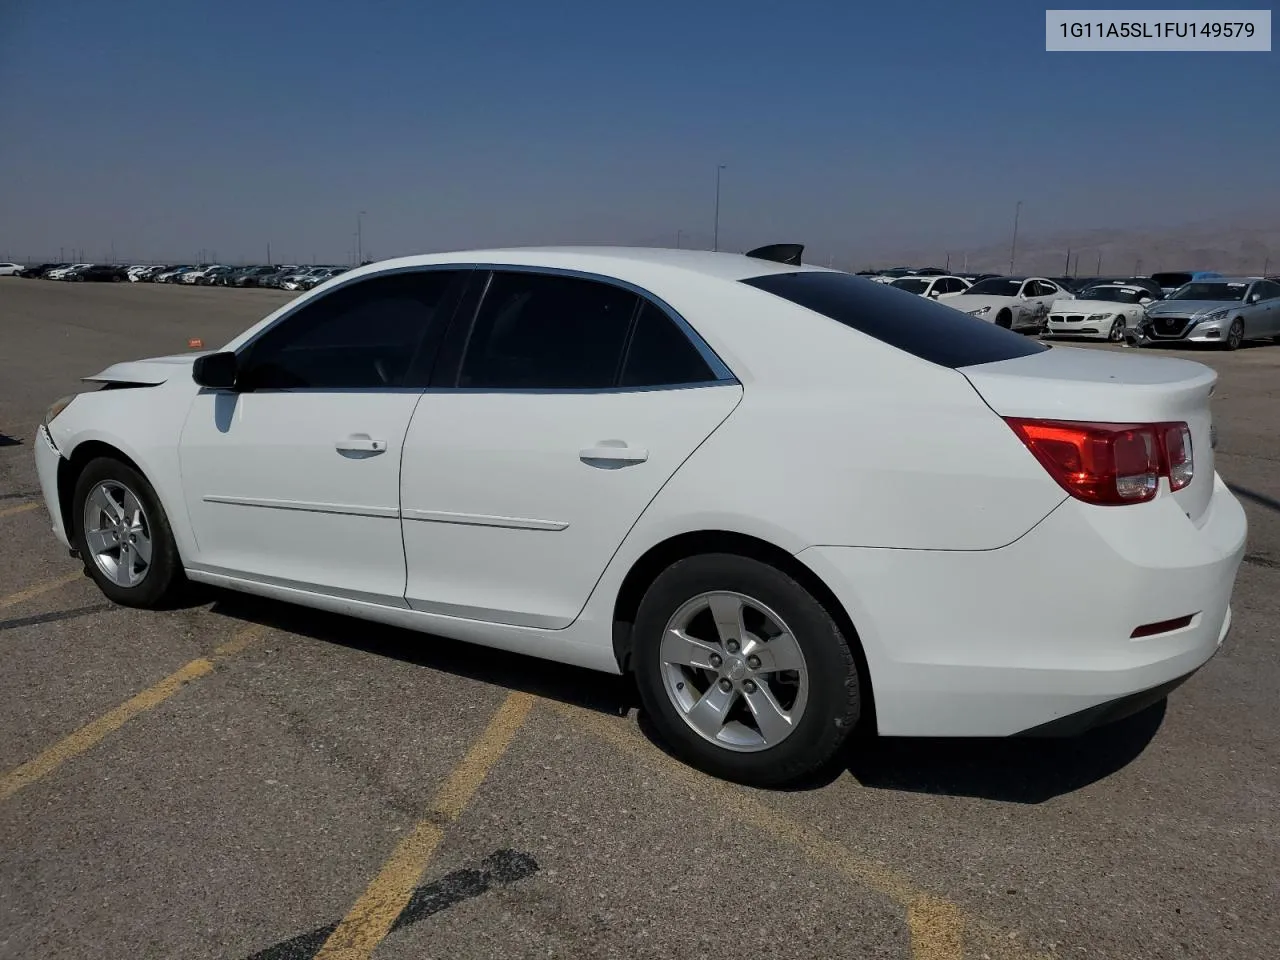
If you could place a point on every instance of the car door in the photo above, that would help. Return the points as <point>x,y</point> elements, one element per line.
<point>293,478</point>
<point>574,401</point>
<point>1265,319</point>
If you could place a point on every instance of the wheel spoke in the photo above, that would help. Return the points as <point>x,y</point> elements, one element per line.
<point>100,541</point>
<point>124,569</point>
<point>726,610</point>
<point>773,721</point>
<point>679,647</point>
<point>708,714</point>
<point>141,545</point>
<point>103,501</point>
<point>778,653</point>
<point>132,509</point>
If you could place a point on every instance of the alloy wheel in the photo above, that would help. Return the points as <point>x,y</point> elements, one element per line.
<point>734,671</point>
<point>117,533</point>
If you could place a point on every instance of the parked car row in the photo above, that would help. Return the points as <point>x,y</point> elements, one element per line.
<point>282,276</point>
<point>1189,306</point>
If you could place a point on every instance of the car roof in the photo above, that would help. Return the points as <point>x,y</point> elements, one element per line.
<point>618,261</point>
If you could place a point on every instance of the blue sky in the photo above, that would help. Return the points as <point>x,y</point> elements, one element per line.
<point>161,129</point>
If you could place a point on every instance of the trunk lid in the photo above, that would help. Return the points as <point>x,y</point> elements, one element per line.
<point>1067,383</point>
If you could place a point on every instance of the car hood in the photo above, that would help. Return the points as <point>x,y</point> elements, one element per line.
<point>1090,306</point>
<point>149,372</point>
<point>1190,308</point>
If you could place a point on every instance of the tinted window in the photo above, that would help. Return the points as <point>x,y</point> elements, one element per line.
<point>911,284</point>
<point>365,334</point>
<point>1209,290</point>
<point>1171,279</point>
<point>952,285</point>
<point>540,332</point>
<point>996,287</point>
<point>661,355</point>
<point>921,327</point>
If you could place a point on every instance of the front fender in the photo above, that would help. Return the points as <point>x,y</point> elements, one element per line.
<point>144,424</point>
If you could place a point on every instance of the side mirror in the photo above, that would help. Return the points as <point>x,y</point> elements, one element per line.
<point>1255,297</point>
<point>934,293</point>
<point>217,371</point>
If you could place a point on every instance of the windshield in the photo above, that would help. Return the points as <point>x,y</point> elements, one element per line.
<point>1226,292</point>
<point>996,287</point>
<point>911,284</point>
<point>1113,294</point>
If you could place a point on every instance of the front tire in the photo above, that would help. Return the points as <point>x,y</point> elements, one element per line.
<point>1004,319</point>
<point>1235,335</point>
<point>1116,333</point>
<point>743,673</point>
<point>123,535</point>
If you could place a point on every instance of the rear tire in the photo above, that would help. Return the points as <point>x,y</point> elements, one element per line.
<point>123,536</point>
<point>774,691</point>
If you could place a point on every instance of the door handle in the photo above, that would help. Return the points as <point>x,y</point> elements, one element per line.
<point>614,451</point>
<point>360,443</point>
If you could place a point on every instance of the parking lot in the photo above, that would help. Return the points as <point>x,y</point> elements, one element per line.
<point>241,778</point>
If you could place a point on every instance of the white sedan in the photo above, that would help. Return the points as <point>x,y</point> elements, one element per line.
<point>10,269</point>
<point>934,288</point>
<point>789,500</point>
<point>1017,303</point>
<point>1107,312</point>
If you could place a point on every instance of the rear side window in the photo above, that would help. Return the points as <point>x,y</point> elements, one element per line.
<point>931,331</point>
<point>539,332</point>
<point>660,355</point>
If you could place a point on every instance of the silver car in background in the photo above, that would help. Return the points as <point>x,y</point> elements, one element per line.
<point>1225,312</point>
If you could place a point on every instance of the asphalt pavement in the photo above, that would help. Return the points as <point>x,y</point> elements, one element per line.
<point>240,778</point>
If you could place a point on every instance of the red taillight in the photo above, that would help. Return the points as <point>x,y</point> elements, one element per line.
<point>1109,463</point>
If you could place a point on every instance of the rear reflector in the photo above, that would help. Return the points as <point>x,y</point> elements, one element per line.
<point>1109,464</point>
<point>1164,626</point>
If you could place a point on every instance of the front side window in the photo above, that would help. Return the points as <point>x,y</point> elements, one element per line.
<point>364,335</point>
<point>544,332</point>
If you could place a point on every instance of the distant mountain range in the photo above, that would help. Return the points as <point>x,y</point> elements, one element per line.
<point>1204,246</point>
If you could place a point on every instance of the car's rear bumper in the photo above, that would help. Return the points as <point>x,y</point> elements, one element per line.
<point>1002,642</point>
<point>47,458</point>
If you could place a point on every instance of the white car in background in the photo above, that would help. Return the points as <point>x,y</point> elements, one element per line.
<point>191,276</point>
<point>932,288</point>
<point>61,273</point>
<point>9,269</point>
<point>1108,312</point>
<point>621,459</point>
<point>1016,303</point>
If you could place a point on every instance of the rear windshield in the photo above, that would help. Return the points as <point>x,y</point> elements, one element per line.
<point>923,328</point>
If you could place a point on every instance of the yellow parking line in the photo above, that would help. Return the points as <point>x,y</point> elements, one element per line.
<point>93,732</point>
<point>938,929</point>
<point>43,587</point>
<point>20,508</point>
<point>369,920</point>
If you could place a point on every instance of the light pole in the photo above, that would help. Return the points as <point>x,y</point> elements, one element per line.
<point>715,233</point>
<point>1013,247</point>
<point>360,237</point>
<point>679,234</point>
